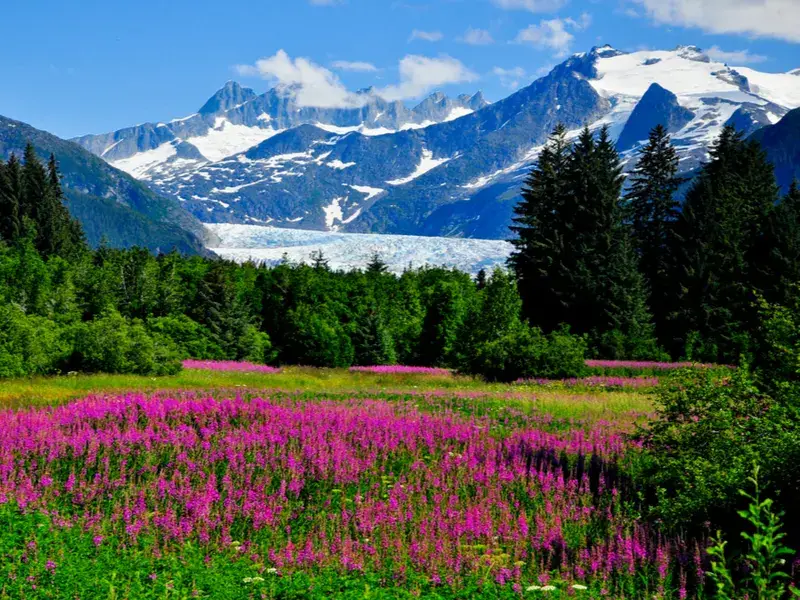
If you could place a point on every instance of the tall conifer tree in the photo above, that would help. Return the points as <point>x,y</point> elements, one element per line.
<point>653,210</point>
<point>538,245</point>
<point>34,185</point>
<point>718,249</point>
<point>9,199</point>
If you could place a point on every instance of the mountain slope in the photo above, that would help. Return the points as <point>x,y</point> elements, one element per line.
<point>445,167</point>
<point>108,202</point>
<point>782,144</point>
<point>657,107</point>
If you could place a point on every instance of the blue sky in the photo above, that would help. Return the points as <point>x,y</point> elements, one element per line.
<point>90,66</point>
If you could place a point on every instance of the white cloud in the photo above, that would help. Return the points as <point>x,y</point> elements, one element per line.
<point>358,66</point>
<point>477,37</point>
<point>311,84</point>
<point>759,18</point>
<point>426,36</point>
<point>582,23</point>
<point>735,57</point>
<point>420,74</point>
<point>549,34</point>
<point>314,85</point>
<point>510,78</point>
<point>534,6</point>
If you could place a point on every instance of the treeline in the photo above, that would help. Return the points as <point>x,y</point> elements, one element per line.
<point>599,269</point>
<point>65,307</point>
<point>641,274</point>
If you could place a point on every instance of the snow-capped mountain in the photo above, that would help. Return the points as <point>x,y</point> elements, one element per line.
<point>445,167</point>
<point>235,119</point>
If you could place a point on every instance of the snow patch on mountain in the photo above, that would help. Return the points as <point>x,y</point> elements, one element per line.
<point>371,192</point>
<point>362,129</point>
<point>427,163</point>
<point>226,139</point>
<point>337,164</point>
<point>140,164</point>
<point>457,113</point>
<point>780,88</point>
<point>355,250</point>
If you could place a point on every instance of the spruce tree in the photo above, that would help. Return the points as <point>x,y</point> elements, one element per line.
<point>376,265</point>
<point>781,269</point>
<point>60,234</point>
<point>653,210</point>
<point>34,186</point>
<point>10,191</point>
<point>718,249</point>
<point>538,227</point>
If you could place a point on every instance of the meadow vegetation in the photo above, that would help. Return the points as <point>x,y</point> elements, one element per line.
<point>523,433</point>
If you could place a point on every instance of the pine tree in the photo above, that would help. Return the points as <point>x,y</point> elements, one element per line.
<point>10,192</point>
<point>376,265</point>
<point>653,210</point>
<point>480,280</point>
<point>781,269</point>
<point>60,234</point>
<point>34,186</point>
<point>573,260</point>
<point>718,249</point>
<point>538,228</point>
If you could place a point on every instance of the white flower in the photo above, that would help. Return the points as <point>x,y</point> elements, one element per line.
<point>533,588</point>
<point>258,579</point>
<point>548,588</point>
<point>578,586</point>
<point>247,580</point>
<point>272,570</point>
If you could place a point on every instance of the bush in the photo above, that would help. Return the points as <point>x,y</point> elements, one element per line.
<point>525,352</point>
<point>318,339</point>
<point>111,344</point>
<point>256,346</point>
<point>701,447</point>
<point>29,345</point>
<point>191,339</point>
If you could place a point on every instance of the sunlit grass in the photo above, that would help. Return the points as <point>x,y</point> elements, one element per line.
<point>568,404</point>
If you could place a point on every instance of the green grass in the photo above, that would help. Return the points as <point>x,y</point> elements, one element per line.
<point>577,404</point>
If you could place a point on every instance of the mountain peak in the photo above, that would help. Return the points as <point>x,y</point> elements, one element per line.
<point>692,53</point>
<point>606,51</point>
<point>227,97</point>
<point>658,106</point>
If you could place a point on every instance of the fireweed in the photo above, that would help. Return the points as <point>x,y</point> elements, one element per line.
<point>358,486</point>
<point>401,370</point>
<point>596,381</point>
<point>228,365</point>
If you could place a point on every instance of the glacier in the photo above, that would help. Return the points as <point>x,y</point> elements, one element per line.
<point>348,251</point>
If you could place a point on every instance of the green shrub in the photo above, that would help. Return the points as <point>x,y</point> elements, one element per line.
<point>192,339</point>
<point>29,345</point>
<point>703,442</point>
<point>525,352</point>
<point>318,339</point>
<point>111,344</point>
<point>766,575</point>
<point>256,346</point>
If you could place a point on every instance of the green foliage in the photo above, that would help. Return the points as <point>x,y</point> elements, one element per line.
<point>718,253</point>
<point>764,557</point>
<point>573,256</point>
<point>525,352</point>
<point>703,442</point>
<point>29,344</point>
<point>112,344</point>
<point>319,338</point>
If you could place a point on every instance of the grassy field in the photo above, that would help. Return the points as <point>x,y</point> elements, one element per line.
<point>561,403</point>
<point>321,483</point>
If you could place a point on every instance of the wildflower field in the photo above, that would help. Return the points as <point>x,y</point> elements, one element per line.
<point>411,490</point>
